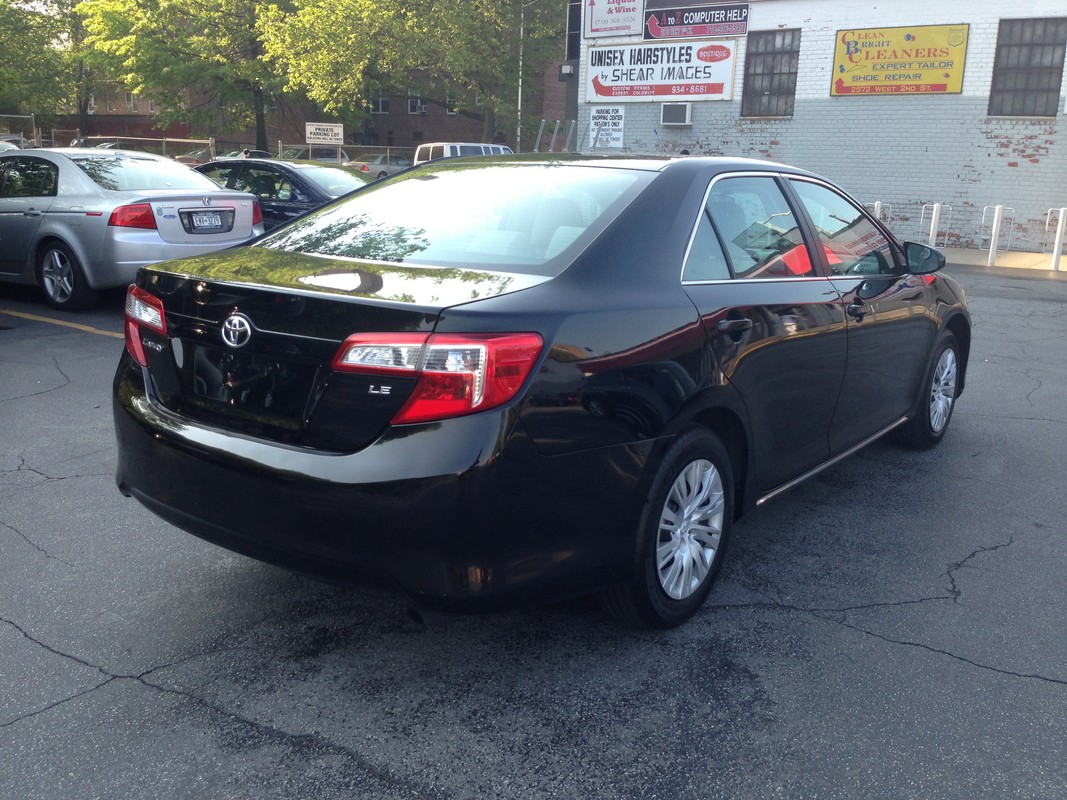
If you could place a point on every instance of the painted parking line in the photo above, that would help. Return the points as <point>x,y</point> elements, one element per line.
<point>63,322</point>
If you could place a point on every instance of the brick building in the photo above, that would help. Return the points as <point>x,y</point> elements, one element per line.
<point>908,103</point>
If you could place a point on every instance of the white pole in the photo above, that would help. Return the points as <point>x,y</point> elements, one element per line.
<point>994,235</point>
<point>1061,229</point>
<point>518,115</point>
<point>935,222</point>
<point>878,210</point>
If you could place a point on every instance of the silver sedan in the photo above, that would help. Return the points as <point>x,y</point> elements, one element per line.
<point>74,221</point>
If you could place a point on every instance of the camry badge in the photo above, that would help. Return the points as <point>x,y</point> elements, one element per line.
<point>236,330</point>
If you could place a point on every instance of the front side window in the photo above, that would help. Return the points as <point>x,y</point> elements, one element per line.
<point>853,244</point>
<point>758,229</point>
<point>1028,70</point>
<point>772,59</point>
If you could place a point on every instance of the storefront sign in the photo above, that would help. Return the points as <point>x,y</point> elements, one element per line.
<point>690,70</point>
<point>696,21</point>
<point>606,126</point>
<point>613,17</point>
<point>927,59</point>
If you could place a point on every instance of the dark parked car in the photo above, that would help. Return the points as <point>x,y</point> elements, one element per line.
<point>498,381</point>
<point>285,189</point>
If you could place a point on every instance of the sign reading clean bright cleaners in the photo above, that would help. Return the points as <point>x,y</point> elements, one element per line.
<point>688,70</point>
<point>324,133</point>
<point>925,59</point>
<point>613,17</point>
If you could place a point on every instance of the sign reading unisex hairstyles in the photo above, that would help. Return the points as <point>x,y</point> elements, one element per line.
<point>926,59</point>
<point>685,70</point>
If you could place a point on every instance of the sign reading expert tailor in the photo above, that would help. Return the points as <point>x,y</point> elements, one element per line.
<point>697,21</point>
<point>690,70</point>
<point>926,59</point>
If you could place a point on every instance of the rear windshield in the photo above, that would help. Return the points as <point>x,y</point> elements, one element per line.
<point>335,182</point>
<point>132,174</point>
<point>514,218</point>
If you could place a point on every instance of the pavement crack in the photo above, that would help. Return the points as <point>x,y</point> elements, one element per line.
<point>33,544</point>
<point>950,573</point>
<point>66,382</point>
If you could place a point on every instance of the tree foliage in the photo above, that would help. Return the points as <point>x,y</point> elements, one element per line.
<point>340,51</point>
<point>191,57</point>
<point>33,76</point>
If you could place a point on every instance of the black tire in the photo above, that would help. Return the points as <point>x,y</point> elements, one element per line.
<point>62,279</point>
<point>681,535</point>
<point>382,174</point>
<point>940,385</point>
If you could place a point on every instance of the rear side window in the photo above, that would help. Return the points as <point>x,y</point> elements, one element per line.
<point>28,177</point>
<point>124,174</point>
<point>757,228</point>
<point>514,219</point>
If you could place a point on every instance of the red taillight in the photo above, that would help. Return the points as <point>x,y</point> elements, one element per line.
<point>456,373</point>
<point>364,168</point>
<point>142,309</point>
<point>138,215</point>
<point>257,213</point>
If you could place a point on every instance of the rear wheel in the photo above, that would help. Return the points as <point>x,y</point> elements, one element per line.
<point>382,174</point>
<point>682,535</point>
<point>62,278</point>
<point>929,425</point>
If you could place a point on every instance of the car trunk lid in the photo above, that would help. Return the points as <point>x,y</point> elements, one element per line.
<point>250,340</point>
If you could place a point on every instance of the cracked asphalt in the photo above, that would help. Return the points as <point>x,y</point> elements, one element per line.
<point>891,629</point>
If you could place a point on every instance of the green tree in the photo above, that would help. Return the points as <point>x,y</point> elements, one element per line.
<point>200,61</point>
<point>338,51</point>
<point>33,78</point>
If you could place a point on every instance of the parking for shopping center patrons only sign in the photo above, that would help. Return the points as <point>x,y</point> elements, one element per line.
<point>324,133</point>
<point>683,70</point>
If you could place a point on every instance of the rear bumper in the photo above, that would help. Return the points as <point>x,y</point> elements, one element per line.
<point>127,250</point>
<point>463,515</point>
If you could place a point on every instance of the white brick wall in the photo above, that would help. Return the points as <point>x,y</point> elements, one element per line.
<point>904,151</point>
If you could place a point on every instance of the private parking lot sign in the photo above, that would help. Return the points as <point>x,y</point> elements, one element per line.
<point>324,133</point>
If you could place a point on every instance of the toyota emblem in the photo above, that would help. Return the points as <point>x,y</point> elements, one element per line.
<point>236,330</point>
<point>207,201</point>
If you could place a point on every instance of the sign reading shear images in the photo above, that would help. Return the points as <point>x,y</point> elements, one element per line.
<point>684,70</point>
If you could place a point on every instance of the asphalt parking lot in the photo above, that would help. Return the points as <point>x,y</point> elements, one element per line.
<point>892,629</point>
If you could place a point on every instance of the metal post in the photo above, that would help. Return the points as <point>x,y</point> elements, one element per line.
<point>878,210</point>
<point>934,223</point>
<point>994,235</point>
<point>1061,230</point>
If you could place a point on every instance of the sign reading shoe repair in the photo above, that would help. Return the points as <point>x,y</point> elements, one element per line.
<point>685,70</point>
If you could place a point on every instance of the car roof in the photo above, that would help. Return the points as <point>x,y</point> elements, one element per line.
<point>268,162</point>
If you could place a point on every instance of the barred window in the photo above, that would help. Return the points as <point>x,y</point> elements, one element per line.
<point>1028,69</point>
<point>771,61</point>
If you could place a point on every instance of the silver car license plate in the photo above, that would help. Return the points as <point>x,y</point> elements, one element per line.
<point>207,221</point>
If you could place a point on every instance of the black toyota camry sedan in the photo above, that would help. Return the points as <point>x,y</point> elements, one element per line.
<point>495,382</point>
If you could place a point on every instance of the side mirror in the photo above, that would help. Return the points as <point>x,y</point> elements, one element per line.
<point>922,259</point>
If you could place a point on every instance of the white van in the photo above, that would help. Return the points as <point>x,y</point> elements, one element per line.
<point>435,150</point>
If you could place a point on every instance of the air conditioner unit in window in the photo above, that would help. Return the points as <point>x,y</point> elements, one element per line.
<point>676,114</point>
<point>422,109</point>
